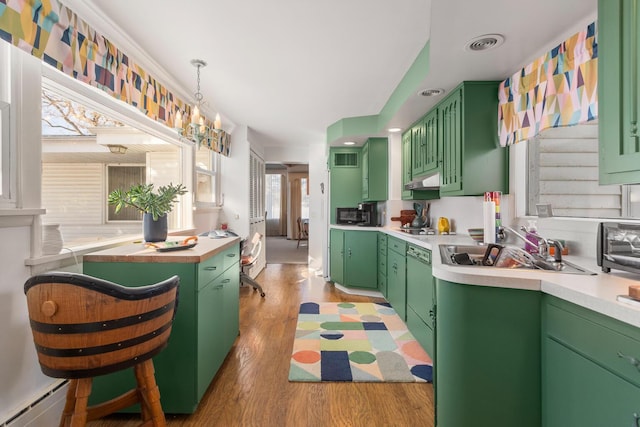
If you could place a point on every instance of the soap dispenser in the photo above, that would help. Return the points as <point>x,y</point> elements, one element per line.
<point>532,236</point>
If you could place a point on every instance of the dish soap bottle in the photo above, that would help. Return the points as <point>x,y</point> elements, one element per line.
<point>532,236</point>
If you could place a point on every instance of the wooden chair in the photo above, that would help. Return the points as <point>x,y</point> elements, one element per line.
<point>248,259</point>
<point>303,232</point>
<point>84,327</point>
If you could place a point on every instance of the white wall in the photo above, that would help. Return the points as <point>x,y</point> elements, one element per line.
<point>235,183</point>
<point>318,206</point>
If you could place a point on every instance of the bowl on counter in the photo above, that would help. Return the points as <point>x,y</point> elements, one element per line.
<point>476,234</point>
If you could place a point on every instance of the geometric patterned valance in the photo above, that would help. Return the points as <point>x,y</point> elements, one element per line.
<point>53,33</point>
<point>559,88</point>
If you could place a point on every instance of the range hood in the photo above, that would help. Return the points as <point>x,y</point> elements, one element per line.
<point>429,183</point>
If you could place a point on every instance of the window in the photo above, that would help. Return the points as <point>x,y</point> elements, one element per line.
<point>86,153</point>
<point>207,186</point>
<point>563,172</point>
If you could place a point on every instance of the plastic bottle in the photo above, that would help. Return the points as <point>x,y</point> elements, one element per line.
<point>532,236</point>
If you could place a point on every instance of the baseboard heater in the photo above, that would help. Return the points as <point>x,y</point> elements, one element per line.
<point>44,410</point>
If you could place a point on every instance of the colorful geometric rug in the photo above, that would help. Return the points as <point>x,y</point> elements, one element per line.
<point>359,342</point>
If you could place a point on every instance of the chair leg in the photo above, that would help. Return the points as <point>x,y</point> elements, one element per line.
<point>82,392</point>
<point>149,394</point>
<point>69,405</point>
<point>245,278</point>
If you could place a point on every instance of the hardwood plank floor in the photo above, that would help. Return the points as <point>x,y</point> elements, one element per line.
<point>252,389</point>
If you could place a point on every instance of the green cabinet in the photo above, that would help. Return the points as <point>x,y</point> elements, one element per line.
<point>472,161</point>
<point>382,263</point>
<point>397,275</point>
<point>420,297</point>
<point>359,249</point>
<point>425,152</point>
<point>204,329</point>
<point>488,356</point>
<point>345,174</point>
<point>618,91</point>
<point>407,174</point>
<point>375,167</point>
<point>589,376</point>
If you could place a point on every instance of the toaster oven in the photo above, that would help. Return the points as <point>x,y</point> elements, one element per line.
<point>619,247</point>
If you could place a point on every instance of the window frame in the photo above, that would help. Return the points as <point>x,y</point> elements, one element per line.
<point>213,172</point>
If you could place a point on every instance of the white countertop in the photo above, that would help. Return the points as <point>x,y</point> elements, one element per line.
<point>597,292</point>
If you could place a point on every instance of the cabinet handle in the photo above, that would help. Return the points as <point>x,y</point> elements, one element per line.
<point>636,418</point>
<point>634,362</point>
<point>211,268</point>
<point>226,280</point>
<point>218,287</point>
<point>349,252</point>
<point>231,255</point>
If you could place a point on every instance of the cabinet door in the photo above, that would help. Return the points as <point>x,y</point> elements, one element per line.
<point>406,164</point>
<point>396,283</point>
<point>578,392</point>
<point>431,158</point>
<point>417,149</point>
<point>345,179</point>
<point>618,91</point>
<point>450,114</point>
<point>231,308</point>
<point>210,333</point>
<point>365,172</point>
<point>361,255</point>
<point>336,255</point>
<point>420,289</point>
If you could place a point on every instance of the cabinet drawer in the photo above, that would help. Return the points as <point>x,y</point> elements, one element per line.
<point>382,239</point>
<point>612,344</point>
<point>230,257</point>
<point>397,245</point>
<point>420,331</point>
<point>382,264</point>
<point>209,269</point>
<point>382,283</point>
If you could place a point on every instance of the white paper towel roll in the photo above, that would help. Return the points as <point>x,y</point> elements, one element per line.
<point>489,222</point>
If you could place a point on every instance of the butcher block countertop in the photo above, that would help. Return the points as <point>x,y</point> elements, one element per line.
<point>137,252</point>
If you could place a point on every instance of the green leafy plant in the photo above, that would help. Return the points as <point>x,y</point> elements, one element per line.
<point>142,197</point>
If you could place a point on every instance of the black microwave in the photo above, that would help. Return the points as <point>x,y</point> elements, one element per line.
<point>619,247</point>
<point>348,216</point>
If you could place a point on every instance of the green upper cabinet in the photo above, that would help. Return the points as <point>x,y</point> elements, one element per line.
<point>345,174</point>
<point>472,160</point>
<point>375,167</point>
<point>406,165</point>
<point>618,91</point>
<point>424,158</point>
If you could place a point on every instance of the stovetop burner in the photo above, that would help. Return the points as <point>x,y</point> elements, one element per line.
<point>418,231</point>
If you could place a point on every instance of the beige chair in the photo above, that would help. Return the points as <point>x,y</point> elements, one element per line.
<point>84,327</point>
<point>249,259</point>
<point>303,231</point>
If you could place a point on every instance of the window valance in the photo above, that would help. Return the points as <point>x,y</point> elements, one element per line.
<point>53,33</point>
<point>559,88</point>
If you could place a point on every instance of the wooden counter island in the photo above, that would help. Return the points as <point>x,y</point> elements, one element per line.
<point>207,319</point>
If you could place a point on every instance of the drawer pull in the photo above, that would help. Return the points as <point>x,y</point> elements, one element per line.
<point>231,255</point>
<point>211,268</point>
<point>226,280</point>
<point>636,417</point>
<point>635,362</point>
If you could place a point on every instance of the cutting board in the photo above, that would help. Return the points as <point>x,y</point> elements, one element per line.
<point>406,216</point>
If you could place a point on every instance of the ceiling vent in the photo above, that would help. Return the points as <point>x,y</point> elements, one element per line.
<point>486,42</point>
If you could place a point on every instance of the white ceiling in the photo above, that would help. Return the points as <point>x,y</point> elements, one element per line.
<point>288,69</point>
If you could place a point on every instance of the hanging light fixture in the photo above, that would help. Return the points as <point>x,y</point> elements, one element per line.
<point>197,130</point>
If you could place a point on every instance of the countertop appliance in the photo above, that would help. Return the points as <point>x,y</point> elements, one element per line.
<point>369,214</point>
<point>619,246</point>
<point>348,216</point>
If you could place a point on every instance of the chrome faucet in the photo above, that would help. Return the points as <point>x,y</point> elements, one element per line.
<point>541,245</point>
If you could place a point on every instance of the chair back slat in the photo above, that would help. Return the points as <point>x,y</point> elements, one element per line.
<point>82,331</point>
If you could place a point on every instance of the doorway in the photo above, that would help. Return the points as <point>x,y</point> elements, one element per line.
<point>287,205</point>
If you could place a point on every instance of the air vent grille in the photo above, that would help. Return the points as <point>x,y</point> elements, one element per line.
<point>345,160</point>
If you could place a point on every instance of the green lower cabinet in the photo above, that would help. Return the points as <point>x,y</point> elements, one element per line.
<point>487,356</point>
<point>352,255</point>
<point>589,378</point>
<point>204,329</point>
<point>382,263</point>
<point>420,331</point>
<point>420,299</point>
<point>397,276</point>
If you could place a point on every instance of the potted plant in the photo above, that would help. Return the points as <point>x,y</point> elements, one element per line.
<point>154,206</point>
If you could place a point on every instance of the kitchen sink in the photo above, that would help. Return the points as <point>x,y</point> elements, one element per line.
<point>472,255</point>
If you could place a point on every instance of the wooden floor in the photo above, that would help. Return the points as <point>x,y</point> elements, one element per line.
<point>252,389</point>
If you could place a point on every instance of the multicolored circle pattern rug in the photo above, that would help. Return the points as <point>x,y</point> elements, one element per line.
<point>359,342</point>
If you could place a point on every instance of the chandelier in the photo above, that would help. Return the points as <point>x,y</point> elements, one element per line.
<point>197,130</point>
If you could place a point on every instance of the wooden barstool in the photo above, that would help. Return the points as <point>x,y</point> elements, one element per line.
<point>84,327</point>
